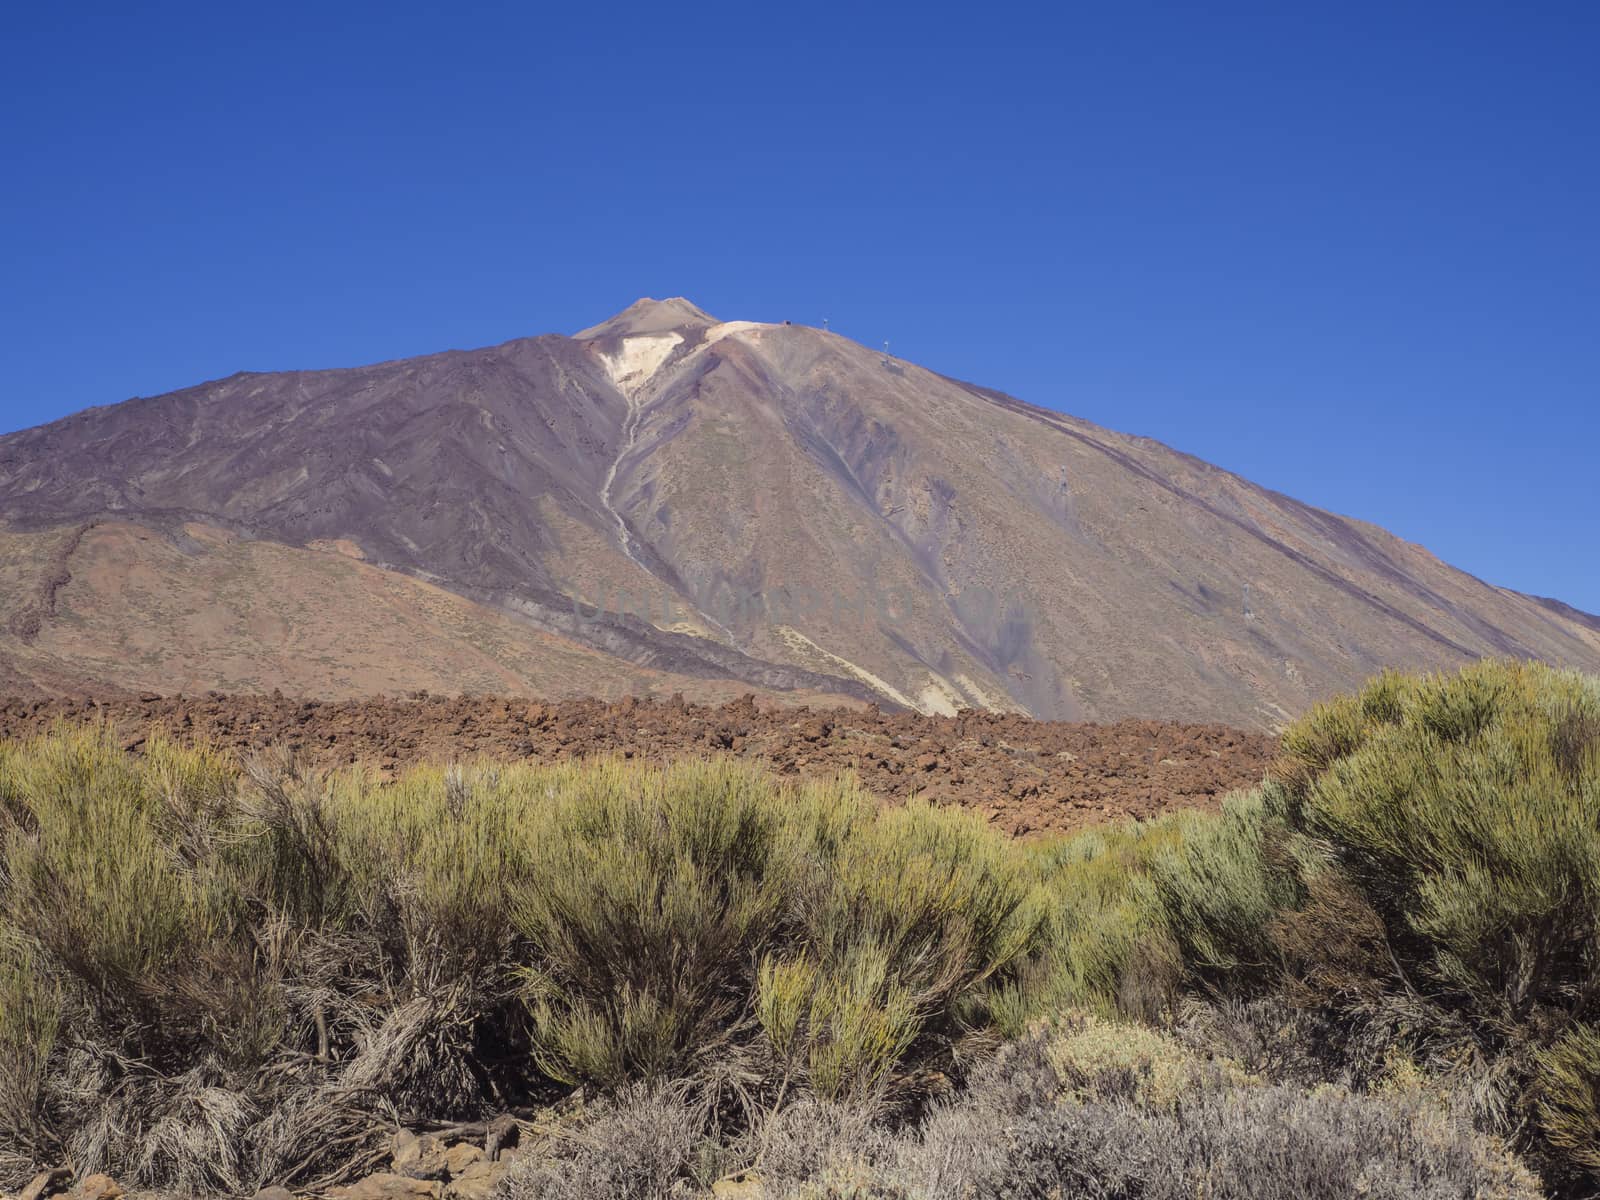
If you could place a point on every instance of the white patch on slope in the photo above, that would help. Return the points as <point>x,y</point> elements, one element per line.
<point>997,704</point>
<point>631,369</point>
<point>717,332</point>
<point>799,641</point>
<point>638,359</point>
<point>633,366</point>
<point>939,698</point>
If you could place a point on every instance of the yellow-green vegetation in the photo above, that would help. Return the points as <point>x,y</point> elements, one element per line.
<point>1424,872</point>
<point>395,944</point>
<point>215,978</point>
<point>1092,1055</point>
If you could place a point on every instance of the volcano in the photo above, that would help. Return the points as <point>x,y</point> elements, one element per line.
<point>666,502</point>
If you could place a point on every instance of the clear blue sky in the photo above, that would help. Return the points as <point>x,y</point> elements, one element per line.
<point>1351,253</point>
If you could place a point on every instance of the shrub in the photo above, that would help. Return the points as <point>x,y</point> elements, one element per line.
<point>1221,890</point>
<point>290,961</point>
<point>640,1146</point>
<point>1268,1037</point>
<point>119,877</point>
<point>1102,1133</point>
<point>211,981</point>
<point>909,935</point>
<point>646,908</point>
<point>1463,814</point>
<point>1568,1091</point>
<point>1094,1058</point>
<point>1432,850</point>
<point>1107,947</point>
<point>30,1021</point>
<point>841,1027</point>
<point>1094,1109</point>
<point>667,911</point>
<point>793,1144</point>
<point>438,860</point>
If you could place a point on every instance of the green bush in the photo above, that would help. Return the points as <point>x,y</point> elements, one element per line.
<point>120,876</point>
<point>1474,835</point>
<point>1568,1090</point>
<point>30,1023</point>
<point>1432,850</point>
<point>665,911</point>
<point>650,899</point>
<point>1108,947</point>
<point>1221,888</point>
<point>440,857</point>
<point>292,958</point>
<point>916,928</point>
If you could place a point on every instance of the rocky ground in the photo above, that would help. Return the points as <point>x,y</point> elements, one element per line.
<point>1026,776</point>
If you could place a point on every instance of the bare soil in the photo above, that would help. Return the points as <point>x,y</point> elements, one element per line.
<point>1026,776</point>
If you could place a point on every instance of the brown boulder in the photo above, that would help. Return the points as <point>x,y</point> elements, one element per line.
<point>461,1156</point>
<point>97,1187</point>
<point>419,1157</point>
<point>816,729</point>
<point>478,1181</point>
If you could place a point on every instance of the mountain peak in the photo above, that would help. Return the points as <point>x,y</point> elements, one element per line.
<point>648,315</point>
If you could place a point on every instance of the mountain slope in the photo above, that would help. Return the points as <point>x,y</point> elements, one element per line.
<point>771,505</point>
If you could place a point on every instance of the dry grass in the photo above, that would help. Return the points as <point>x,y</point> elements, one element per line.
<point>1089,1109</point>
